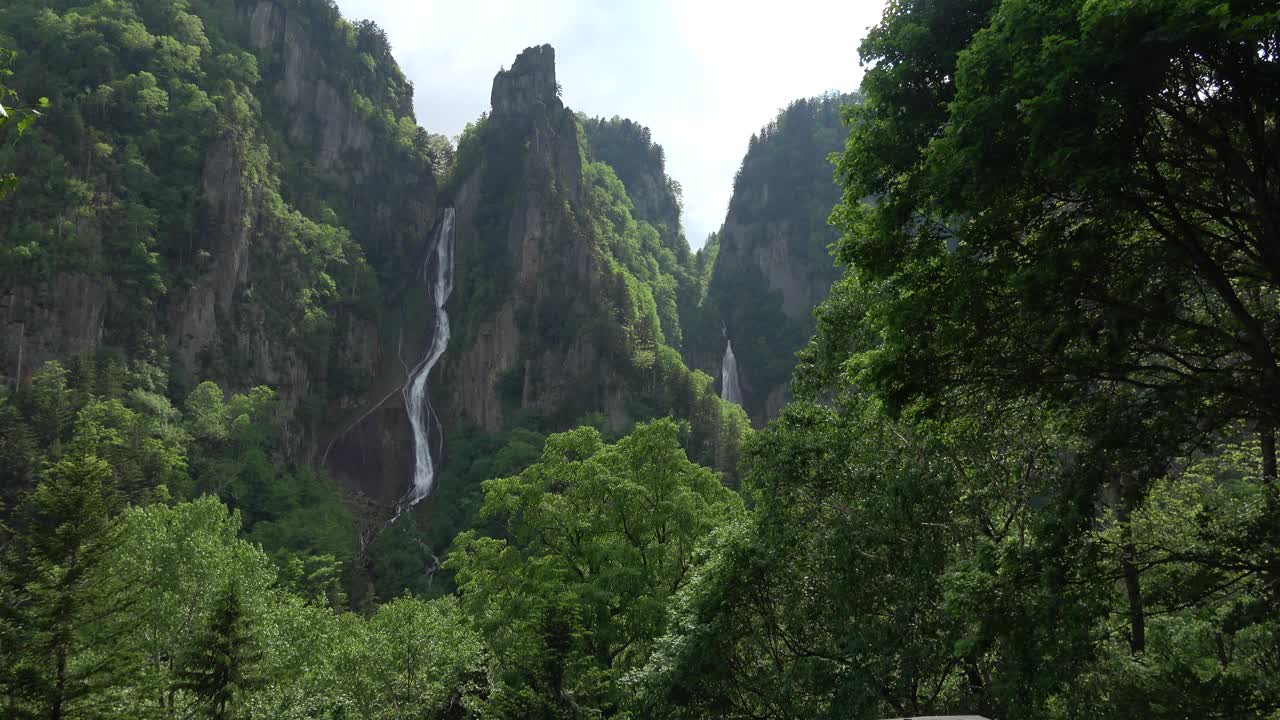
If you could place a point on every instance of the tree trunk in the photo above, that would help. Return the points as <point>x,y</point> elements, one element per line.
<point>60,687</point>
<point>1133,588</point>
<point>1128,568</point>
<point>1268,454</point>
<point>976,689</point>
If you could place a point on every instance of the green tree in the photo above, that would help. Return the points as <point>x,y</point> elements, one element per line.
<point>601,536</point>
<point>18,448</point>
<point>221,668</point>
<point>65,532</point>
<point>168,568</point>
<point>1051,229</point>
<point>310,668</point>
<point>50,405</point>
<point>418,658</point>
<point>830,602</point>
<point>143,454</point>
<point>1211,635</point>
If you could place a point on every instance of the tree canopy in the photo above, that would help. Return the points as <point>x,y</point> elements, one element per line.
<point>1090,199</point>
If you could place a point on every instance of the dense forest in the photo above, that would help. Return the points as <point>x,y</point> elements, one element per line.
<point>1007,320</point>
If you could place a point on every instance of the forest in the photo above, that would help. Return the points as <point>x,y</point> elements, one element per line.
<point>1024,466</point>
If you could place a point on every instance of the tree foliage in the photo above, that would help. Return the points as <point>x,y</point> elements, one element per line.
<point>600,536</point>
<point>1111,231</point>
<point>1030,470</point>
<point>14,115</point>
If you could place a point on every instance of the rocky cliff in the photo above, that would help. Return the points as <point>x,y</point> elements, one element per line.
<point>254,187</point>
<point>525,265</point>
<point>559,307</point>
<point>566,296</point>
<point>558,314</point>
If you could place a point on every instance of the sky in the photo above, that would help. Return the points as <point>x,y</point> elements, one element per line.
<point>703,75</point>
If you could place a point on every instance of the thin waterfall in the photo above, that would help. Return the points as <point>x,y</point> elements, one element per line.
<point>729,389</point>
<point>417,399</point>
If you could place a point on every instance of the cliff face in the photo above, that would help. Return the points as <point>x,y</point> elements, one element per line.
<point>48,320</point>
<point>523,258</point>
<point>385,194</point>
<point>568,290</point>
<point>245,215</point>
<point>315,113</point>
<point>768,245</point>
<point>772,266</point>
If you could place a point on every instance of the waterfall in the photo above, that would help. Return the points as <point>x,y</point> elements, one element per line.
<point>417,400</point>
<point>729,389</point>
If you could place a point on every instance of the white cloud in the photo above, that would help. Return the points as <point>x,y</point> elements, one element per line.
<point>702,74</point>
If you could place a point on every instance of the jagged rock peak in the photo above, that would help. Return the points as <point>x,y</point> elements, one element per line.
<point>530,83</point>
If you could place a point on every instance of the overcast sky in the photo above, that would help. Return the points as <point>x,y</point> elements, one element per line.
<point>703,75</point>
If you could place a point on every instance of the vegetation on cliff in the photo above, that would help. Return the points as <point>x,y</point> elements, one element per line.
<point>171,165</point>
<point>626,279</point>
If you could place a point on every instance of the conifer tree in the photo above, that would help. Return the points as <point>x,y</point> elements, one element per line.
<point>65,529</point>
<point>221,668</point>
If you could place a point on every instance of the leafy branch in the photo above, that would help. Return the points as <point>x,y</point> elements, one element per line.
<point>13,113</point>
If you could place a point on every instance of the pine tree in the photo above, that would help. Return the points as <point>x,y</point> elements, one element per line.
<point>50,404</point>
<point>65,528</point>
<point>18,448</point>
<point>220,669</point>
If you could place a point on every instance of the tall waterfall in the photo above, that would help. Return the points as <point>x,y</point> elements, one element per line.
<point>416,398</point>
<point>729,389</point>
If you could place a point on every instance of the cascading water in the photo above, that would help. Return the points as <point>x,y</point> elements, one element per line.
<point>416,398</point>
<point>729,389</point>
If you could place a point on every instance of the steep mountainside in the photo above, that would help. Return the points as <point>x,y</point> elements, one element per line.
<point>568,296</point>
<point>640,164</point>
<point>770,263</point>
<point>230,190</point>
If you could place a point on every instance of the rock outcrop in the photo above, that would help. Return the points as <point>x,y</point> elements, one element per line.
<point>316,113</point>
<point>49,321</point>
<point>528,88</point>
<point>520,253</point>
